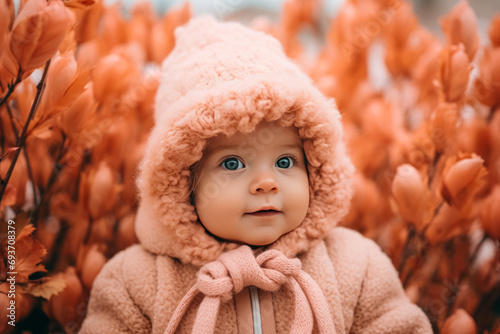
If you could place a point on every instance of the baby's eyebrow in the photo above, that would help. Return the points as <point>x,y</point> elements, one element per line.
<point>224,147</point>
<point>294,145</point>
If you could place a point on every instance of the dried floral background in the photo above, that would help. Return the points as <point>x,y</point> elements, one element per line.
<point>77,86</point>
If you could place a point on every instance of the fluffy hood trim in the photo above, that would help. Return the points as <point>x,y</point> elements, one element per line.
<point>219,79</point>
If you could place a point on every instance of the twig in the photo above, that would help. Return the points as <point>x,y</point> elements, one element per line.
<point>86,238</point>
<point>22,137</point>
<point>52,178</point>
<point>422,253</point>
<point>406,248</point>
<point>432,170</point>
<point>492,113</point>
<point>12,124</point>
<point>13,85</point>
<point>54,255</point>
<point>25,152</point>
<point>465,272</point>
<point>30,175</point>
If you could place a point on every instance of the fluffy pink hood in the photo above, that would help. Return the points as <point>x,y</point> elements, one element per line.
<point>219,79</point>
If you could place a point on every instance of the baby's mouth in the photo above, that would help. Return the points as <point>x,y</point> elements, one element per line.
<point>264,213</point>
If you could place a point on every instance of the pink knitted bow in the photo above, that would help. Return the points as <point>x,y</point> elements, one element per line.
<point>232,271</point>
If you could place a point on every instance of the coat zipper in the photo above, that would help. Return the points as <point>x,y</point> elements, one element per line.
<point>254,298</point>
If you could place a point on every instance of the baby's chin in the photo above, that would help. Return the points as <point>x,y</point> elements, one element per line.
<point>259,238</point>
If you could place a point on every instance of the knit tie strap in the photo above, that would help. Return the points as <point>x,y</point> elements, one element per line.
<point>220,280</point>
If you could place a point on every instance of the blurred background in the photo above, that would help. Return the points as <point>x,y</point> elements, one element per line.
<point>417,83</point>
<point>428,11</point>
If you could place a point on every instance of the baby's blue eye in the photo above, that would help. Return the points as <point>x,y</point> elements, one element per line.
<point>285,162</point>
<point>232,164</point>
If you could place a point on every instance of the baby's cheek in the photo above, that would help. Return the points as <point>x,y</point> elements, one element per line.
<point>298,198</point>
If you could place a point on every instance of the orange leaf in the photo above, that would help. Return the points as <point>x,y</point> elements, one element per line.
<point>460,26</point>
<point>454,71</point>
<point>9,150</point>
<point>38,31</point>
<point>462,180</point>
<point>494,31</point>
<point>411,195</point>
<point>29,253</point>
<point>65,83</point>
<point>46,287</point>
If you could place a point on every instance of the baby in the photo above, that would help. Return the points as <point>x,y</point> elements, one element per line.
<point>244,179</point>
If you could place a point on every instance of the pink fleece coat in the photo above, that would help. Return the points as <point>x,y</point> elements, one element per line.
<point>219,79</point>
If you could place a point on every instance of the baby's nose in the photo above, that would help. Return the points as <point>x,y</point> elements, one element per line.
<point>264,185</point>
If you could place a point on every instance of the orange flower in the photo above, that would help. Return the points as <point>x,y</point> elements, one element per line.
<point>88,22</point>
<point>378,120</point>
<point>459,322</point>
<point>444,125</point>
<point>175,17</point>
<point>462,180</point>
<point>68,306</point>
<point>401,60</point>
<point>89,54</point>
<point>160,43</point>
<point>460,26</point>
<point>490,215</point>
<point>447,223</point>
<point>79,115</point>
<point>487,85</point>
<point>126,232</point>
<point>454,73</point>
<point>113,27</point>
<point>411,195</point>
<point>473,136</point>
<point>92,261</point>
<point>403,24</point>
<point>64,83</point>
<point>365,203</point>
<point>38,31</point>
<point>426,70</point>
<point>141,24</point>
<point>103,191</point>
<point>495,31</point>
<point>112,76</point>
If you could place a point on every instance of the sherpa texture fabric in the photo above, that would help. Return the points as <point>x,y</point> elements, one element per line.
<point>219,79</point>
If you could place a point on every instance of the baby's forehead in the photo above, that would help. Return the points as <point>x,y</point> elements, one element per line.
<point>264,135</point>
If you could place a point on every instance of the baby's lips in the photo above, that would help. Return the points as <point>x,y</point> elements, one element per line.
<point>263,209</point>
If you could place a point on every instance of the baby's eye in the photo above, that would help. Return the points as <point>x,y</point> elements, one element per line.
<point>285,162</point>
<point>232,164</point>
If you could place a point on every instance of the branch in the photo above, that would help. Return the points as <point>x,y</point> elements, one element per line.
<point>22,137</point>
<point>44,191</point>
<point>12,86</point>
<point>465,273</point>
<point>25,153</point>
<point>412,232</point>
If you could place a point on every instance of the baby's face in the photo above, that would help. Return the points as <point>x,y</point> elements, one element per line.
<point>253,188</point>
